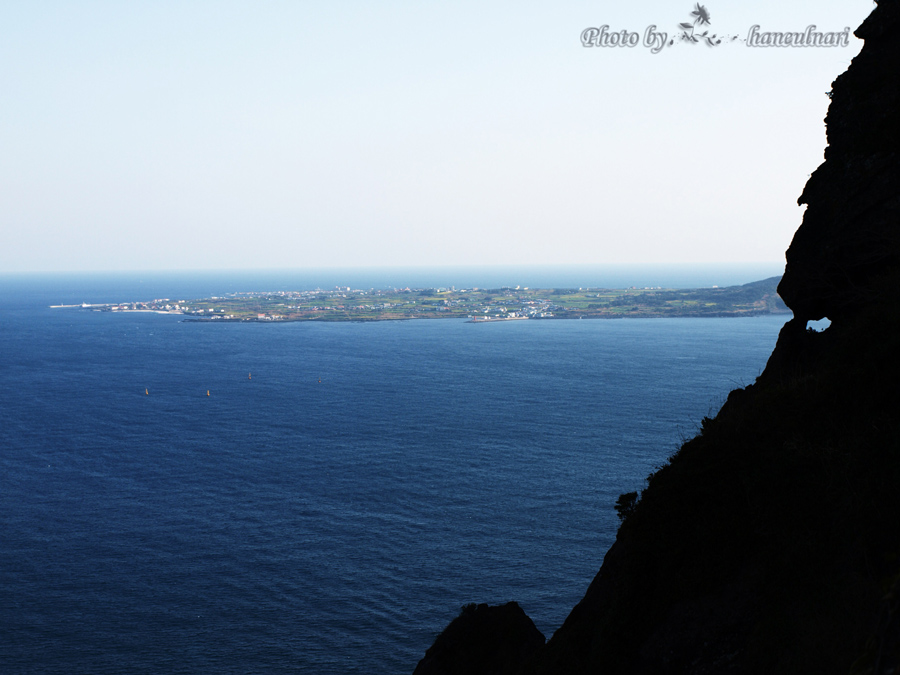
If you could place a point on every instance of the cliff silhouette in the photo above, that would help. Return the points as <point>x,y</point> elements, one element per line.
<point>770,542</point>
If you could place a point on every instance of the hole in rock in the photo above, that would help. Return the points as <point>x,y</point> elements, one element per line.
<point>819,325</point>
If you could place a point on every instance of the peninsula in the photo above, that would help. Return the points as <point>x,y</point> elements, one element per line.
<point>476,304</point>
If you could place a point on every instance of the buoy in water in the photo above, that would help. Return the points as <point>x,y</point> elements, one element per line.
<point>146,393</point>
<point>207,392</point>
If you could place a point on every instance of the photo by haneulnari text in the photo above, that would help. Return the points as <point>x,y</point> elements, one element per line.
<point>656,40</point>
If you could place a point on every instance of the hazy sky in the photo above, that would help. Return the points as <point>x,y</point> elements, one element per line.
<point>191,135</point>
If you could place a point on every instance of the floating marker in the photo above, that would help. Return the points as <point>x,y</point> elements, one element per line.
<point>146,393</point>
<point>207,392</point>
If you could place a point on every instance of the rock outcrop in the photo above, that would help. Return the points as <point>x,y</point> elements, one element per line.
<point>484,640</point>
<point>849,239</point>
<point>770,543</point>
<point>847,249</point>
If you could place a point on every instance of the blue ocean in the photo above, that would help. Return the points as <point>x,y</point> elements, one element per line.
<point>344,488</point>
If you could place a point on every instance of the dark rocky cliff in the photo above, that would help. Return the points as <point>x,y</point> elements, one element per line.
<point>770,543</point>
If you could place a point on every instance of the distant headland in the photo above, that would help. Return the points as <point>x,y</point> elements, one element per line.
<point>344,303</point>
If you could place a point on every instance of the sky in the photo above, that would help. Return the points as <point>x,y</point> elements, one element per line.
<point>185,135</point>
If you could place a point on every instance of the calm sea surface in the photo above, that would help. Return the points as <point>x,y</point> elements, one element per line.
<point>333,512</point>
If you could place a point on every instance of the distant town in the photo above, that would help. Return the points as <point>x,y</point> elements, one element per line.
<point>344,303</point>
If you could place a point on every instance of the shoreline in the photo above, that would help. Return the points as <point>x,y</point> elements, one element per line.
<point>477,305</point>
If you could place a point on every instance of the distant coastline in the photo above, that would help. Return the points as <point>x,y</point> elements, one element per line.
<point>23,290</point>
<point>478,305</point>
